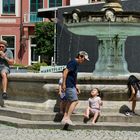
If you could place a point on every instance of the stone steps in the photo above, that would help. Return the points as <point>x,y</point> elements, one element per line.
<point>21,114</point>
<point>53,105</point>
<point>37,115</point>
<point>21,123</point>
<point>34,115</point>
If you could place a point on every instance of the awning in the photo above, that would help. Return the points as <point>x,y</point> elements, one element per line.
<point>50,12</point>
<point>47,12</point>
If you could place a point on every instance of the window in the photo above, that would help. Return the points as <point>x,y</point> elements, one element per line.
<point>8,6</point>
<point>34,6</point>
<point>92,1</point>
<point>55,3</point>
<point>11,42</point>
<point>34,56</point>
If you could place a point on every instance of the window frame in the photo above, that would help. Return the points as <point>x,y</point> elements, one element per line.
<point>56,4</point>
<point>36,6</point>
<point>33,15</point>
<point>31,62</point>
<point>9,6</point>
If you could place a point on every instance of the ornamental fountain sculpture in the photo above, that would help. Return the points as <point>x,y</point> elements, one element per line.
<point>111,26</point>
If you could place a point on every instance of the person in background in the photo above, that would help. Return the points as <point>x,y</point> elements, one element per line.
<point>69,85</point>
<point>94,106</point>
<point>62,95</point>
<point>134,91</point>
<point>6,59</point>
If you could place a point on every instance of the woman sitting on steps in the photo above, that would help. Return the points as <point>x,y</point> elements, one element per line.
<point>134,91</point>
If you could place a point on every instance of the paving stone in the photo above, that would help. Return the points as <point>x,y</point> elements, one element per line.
<point>11,133</point>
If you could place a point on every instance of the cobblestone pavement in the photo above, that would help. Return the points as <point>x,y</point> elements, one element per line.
<point>12,133</point>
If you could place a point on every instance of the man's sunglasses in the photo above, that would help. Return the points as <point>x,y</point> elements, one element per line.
<point>1,46</point>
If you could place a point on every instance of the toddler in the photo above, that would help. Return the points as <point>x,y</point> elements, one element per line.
<point>94,105</point>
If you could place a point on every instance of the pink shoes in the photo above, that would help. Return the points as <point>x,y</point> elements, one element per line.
<point>67,121</point>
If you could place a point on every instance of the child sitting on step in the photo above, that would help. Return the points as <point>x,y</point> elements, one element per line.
<point>94,105</point>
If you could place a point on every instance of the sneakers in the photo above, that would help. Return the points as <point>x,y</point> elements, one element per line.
<point>133,113</point>
<point>70,122</point>
<point>63,121</point>
<point>5,95</point>
<point>67,121</point>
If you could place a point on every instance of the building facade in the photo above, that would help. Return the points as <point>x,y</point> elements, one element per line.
<point>17,23</point>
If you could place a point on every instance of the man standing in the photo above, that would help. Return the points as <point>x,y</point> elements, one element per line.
<point>70,87</point>
<point>6,59</point>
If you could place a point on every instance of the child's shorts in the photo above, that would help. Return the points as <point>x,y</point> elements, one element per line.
<point>94,110</point>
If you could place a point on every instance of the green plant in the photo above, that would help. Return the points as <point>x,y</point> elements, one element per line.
<point>36,67</point>
<point>18,65</point>
<point>44,35</point>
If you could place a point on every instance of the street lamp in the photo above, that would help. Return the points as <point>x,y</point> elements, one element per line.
<point>55,26</point>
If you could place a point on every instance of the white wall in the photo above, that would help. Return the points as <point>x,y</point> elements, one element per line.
<point>78,2</point>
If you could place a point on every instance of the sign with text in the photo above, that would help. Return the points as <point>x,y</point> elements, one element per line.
<point>46,69</point>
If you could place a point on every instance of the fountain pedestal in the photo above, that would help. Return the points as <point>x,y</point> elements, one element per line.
<point>111,59</point>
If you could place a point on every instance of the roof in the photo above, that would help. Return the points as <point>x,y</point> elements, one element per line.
<point>128,5</point>
<point>50,12</point>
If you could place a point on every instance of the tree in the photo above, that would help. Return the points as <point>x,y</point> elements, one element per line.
<point>44,33</point>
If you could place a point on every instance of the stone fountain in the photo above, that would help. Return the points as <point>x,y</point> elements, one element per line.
<point>111,26</point>
<point>38,91</point>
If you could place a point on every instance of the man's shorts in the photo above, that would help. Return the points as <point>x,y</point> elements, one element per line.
<point>5,69</point>
<point>71,94</point>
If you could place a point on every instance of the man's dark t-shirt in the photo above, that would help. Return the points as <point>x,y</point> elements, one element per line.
<point>71,79</point>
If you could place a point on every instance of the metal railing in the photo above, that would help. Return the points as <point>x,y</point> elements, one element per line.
<point>92,1</point>
<point>31,18</point>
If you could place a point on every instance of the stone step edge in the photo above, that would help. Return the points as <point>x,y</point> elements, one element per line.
<point>50,104</point>
<point>37,112</point>
<point>56,117</point>
<point>20,123</point>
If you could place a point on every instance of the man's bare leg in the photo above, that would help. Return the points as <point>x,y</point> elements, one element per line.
<point>66,110</point>
<point>4,81</point>
<point>71,108</point>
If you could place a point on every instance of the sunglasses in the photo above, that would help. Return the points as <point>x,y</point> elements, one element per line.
<point>1,46</point>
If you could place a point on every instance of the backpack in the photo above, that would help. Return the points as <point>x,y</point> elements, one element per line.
<point>124,109</point>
